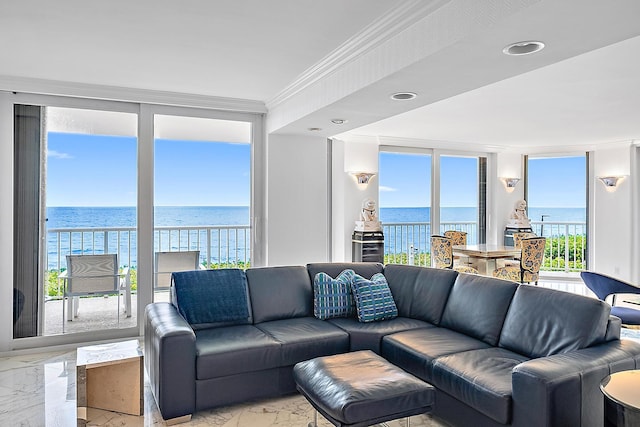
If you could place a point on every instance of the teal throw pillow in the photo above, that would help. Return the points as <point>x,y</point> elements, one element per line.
<point>373,298</point>
<point>332,297</point>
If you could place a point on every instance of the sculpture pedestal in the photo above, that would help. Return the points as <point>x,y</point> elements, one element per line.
<point>368,226</point>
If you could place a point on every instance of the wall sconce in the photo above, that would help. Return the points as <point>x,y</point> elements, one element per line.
<point>611,182</point>
<point>510,183</point>
<point>363,178</point>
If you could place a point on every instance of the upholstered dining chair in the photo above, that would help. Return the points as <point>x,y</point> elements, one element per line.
<point>457,237</point>
<point>517,237</point>
<point>442,255</point>
<point>603,286</point>
<point>528,269</point>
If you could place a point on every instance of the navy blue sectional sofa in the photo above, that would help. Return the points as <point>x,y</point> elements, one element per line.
<point>498,353</point>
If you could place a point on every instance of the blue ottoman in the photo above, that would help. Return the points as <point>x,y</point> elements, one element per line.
<point>361,389</point>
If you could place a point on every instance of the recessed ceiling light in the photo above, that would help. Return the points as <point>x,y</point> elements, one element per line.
<point>523,48</point>
<point>339,121</point>
<point>314,129</point>
<point>403,96</point>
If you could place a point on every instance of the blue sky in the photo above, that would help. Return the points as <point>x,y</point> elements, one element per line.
<point>405,181</point>
<point>90,170</point>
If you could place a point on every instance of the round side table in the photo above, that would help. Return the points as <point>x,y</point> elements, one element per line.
<point>622,399</point>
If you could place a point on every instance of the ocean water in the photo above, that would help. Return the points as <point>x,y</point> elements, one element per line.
<point>97,217</point>
<point>124,242</point>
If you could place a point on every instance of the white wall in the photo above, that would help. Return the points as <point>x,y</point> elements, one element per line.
<point>297,197</point>
<point>611,237</point>
<point>347,194</point>
<point>508,165</point>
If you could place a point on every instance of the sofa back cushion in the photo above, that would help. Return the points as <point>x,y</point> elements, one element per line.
<point>542,322</point>
<point>477,306</point>
<point>420,292</point>
<point>208,298</point>
<point>280,293</point>
<point>333,269</point>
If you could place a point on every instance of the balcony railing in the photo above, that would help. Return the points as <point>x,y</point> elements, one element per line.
<point>409,243</point>
<point>218,245</point>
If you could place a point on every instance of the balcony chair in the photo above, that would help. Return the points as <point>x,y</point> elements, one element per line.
<point>442,255</point>
<point>603,286</point>
<point>528,269</point>
<point>94,275</point>
<point>169,262</point>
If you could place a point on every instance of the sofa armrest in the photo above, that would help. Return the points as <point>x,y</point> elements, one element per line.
<point>170,359</point>
<point>564,389</point>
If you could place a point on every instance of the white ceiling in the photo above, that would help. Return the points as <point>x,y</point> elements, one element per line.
<point>583,88</point>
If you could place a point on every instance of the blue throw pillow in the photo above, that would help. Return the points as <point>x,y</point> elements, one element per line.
<point>332,297</point>
<point>211,296</point>
<point>373,298</point>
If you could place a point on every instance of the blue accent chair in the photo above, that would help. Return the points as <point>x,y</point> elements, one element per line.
<point>603,286</point>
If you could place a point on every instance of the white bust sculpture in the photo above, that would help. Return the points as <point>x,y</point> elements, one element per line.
<point>368,217</point>
<point>518,217</point>
<point>368,212</point>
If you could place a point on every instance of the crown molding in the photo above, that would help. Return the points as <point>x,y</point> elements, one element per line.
<point>367,39</point>
<point>117,93</point>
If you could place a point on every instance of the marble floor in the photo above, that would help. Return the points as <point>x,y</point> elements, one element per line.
<point>40,390</point>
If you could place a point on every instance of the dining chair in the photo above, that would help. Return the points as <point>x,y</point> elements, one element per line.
<point>94,275</point>
<point>517,238</point>
<point>457,237</point>
<point>170,262</point>
<point>528,269</point>
<point>603,286</point>
<point>442,255</point>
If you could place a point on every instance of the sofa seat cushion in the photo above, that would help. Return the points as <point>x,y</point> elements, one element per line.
<point>479,378</point>
<point>234,349</point>
<point>368,336</point>
<point>416,350</point>
<point>304,338</point>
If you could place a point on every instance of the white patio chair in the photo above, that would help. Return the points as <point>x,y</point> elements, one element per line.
<point>169,262</point>
<point>94,275</point>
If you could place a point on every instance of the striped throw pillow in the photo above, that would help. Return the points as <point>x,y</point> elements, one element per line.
<point>373,298</point>
<point>332,297</point>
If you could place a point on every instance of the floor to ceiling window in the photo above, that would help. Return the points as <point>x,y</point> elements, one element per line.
<point>75,251</point>
<point>85,236</point>
<point>422,193</point>
<point>202,195</point>
<point>556,196</point>
<point>463,195</point>
<point>405,206</point>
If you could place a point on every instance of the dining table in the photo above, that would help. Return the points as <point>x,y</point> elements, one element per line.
<point>484,257</point>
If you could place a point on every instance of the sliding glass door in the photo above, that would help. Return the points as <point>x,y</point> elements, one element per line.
<point>556,196</point>
<point>75,184</point>
<point>202,196</point>
<point>405,206</point>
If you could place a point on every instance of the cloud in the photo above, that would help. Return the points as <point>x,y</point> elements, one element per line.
<point>384,188</point>
<point>58,155</point>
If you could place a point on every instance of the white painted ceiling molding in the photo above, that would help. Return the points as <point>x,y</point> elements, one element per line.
<point>367,39</point>
<point>437,30</point>
<point>113,93</point>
